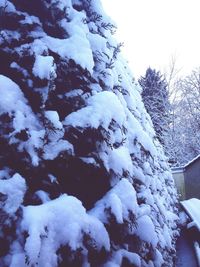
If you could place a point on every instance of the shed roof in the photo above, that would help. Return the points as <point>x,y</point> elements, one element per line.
<point>192,207</point>
<point>192,161</point>
<point>177,169</point>
<point>182,168</point>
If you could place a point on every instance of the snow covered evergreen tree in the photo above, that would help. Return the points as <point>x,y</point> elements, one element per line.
<point>83,179</point>
<point>156,100</point>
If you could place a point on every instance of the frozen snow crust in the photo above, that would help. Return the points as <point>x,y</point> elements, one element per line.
<point>83,178</point>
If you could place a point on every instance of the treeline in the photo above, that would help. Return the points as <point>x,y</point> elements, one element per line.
<point>173,103</point>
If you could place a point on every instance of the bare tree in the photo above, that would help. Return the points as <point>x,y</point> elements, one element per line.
<point>184,134</point>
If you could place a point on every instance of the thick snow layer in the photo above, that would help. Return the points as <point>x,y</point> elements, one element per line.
<point>4,174</point>
<point>38,47</point>
<point>13,98</point>
<point>146,230</point>
<point>18,259</point>
<point>52,150</point>
<point>14,189</point>
<point>53,116</point>
<point>158,259</point>
<point>98,43</point>
<point>13,101</point>
<point>67,48</point>
<point>43,67</point>
<point>192,207</point>
<point>9,7</point>
<point>44,196</point>
<point>121,200</point>
<point>62,4</point>
<point>30,20</point>
<point>120,160</point>
<point>101,110</point>
<point>136,131</point>
<point>62,221</point>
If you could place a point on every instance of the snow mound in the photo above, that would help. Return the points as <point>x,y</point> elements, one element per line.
<point>13,98</point>
<point>9,7</point>
<point>57,223</point>
<point>146,230</point>
<point>101,110</point>
<point>43,67</point>
<point>192,207</point>
<point>121,200</point>
<point>14,190</point>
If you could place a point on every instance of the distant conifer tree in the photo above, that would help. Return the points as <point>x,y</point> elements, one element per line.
<point>156,100</point>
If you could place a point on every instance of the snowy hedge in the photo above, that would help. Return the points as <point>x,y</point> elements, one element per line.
<point>83,178</point>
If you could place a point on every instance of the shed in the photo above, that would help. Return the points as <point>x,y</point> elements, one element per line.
<point>187,179</point>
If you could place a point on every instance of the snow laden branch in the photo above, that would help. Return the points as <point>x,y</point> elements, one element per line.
<point>83,178</point>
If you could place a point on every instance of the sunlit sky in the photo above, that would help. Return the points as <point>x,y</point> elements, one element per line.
<point>154,31</point>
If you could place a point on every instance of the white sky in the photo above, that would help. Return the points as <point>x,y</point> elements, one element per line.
<point>155,30</point>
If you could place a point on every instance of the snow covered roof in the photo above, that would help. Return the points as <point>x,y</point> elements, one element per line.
<point>182,168</point>
<point>192,207</point>
<point>177,169</point>
<point>192,161</point>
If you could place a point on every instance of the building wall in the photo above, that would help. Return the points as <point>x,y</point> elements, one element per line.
<point>192,180</point>
<point>180,184</point>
